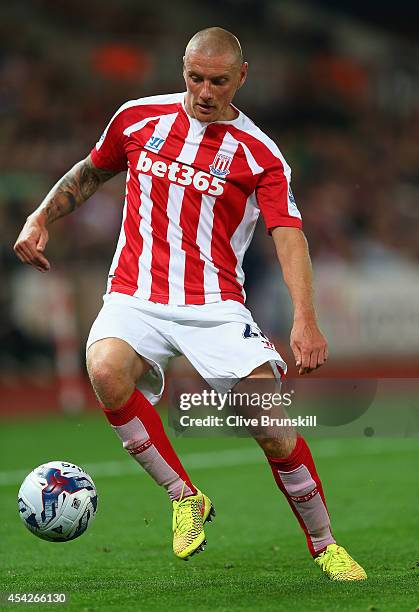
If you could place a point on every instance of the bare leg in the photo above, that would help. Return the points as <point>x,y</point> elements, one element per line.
<point>115,369</point>
<point>275,441</point>
<point>293,468</point>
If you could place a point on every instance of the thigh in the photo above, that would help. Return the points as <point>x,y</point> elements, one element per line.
<point>114,370</point>
<point>222,341</point>
<point>123,317</point>
<point>116,356</point>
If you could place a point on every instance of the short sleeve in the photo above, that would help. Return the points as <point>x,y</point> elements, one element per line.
<point>275,198</point>
<point>109,152</point>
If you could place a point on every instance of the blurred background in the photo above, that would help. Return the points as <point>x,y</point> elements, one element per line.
<point>337,87</point>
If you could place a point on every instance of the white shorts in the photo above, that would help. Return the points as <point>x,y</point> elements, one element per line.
<point>221,340</point>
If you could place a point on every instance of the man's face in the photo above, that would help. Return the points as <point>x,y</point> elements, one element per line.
<point>211,83</point>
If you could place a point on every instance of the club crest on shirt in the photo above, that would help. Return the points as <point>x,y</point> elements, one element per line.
<point>221,165</point>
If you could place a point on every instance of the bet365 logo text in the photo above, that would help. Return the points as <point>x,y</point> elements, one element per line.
<point>181,174</point>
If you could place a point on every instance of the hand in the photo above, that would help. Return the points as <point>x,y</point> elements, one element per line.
<point>308,345</point>
<point>30,245</point>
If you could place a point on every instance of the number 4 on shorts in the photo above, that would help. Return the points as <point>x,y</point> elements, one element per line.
<point>248,333</point>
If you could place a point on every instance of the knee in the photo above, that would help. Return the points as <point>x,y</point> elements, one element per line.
<point>111,379</point>
<point>279,448</point>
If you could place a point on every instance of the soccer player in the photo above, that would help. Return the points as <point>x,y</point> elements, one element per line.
<point>199,173</point>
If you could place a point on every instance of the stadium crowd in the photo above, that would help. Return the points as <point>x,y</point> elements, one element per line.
<point>342,103</point>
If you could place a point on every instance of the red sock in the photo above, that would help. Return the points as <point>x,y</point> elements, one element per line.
<point>139,426</point>
<point>297,478</point>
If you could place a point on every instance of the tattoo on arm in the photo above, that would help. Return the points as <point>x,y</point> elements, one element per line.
<point>73,189</point>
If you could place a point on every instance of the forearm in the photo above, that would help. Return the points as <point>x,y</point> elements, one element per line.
<point>294,258</point>
<point>74,188</point>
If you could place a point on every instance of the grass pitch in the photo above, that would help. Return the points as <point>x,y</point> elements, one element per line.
<point>256,558</point>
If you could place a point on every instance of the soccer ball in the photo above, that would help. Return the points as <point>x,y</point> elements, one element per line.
<point>57,501</point>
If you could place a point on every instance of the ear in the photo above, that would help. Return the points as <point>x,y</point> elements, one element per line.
<point>243,74</point>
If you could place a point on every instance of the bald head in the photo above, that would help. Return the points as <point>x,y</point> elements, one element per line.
<point>215,42</point>
<point>213,70</point>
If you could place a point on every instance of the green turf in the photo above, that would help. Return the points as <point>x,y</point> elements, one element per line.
<point>256,557</point>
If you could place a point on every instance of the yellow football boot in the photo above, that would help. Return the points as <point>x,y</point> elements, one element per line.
<point>189,515</point>
<point>337,564</point>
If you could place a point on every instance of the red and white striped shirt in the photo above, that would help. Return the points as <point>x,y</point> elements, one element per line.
<point>194,192</point>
